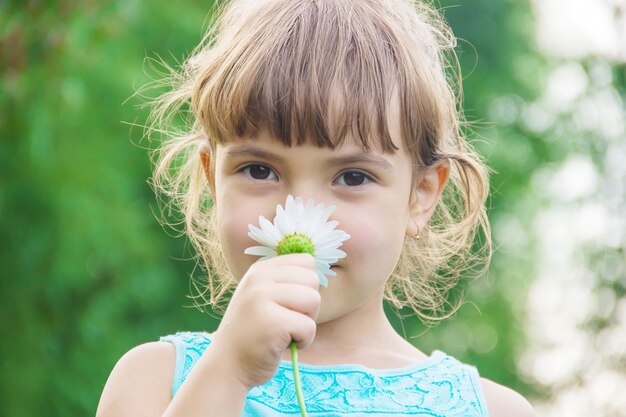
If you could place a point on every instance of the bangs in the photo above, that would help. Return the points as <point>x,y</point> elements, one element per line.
<point>312,72</point>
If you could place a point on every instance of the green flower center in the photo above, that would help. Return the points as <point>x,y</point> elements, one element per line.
<point>295,243</point>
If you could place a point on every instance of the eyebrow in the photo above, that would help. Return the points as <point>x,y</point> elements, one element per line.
<point>357,157</point>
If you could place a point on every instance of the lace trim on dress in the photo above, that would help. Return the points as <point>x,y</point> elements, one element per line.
<point>439,386</point>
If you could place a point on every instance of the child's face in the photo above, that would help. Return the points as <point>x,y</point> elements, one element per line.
<point>252,176</point>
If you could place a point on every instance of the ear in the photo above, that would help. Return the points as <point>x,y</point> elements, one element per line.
<point>425,194</point>
<point>205,157</point>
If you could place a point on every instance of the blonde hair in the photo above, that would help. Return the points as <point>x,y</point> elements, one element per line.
<point>285,66</point>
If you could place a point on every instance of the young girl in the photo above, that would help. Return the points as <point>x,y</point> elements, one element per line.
<point>345,102</point>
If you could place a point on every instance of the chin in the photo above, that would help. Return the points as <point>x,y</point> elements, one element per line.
<point>324,316</point>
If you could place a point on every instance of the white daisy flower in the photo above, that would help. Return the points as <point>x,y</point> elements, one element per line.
<point>300,229</point>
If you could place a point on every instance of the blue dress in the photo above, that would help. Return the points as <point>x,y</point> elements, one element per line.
<point>440,386</point>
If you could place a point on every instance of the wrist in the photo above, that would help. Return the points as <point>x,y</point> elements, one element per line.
<point>226,368</point>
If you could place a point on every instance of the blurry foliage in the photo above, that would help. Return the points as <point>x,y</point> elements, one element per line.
<point>577,354</point>
<point>88,272</point>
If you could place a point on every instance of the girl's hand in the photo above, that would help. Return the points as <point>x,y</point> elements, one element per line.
<point>275,303</point>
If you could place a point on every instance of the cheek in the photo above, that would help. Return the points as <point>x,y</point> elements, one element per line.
<point>377,236</point>
<point>365,239</point>
<point>233,220</point>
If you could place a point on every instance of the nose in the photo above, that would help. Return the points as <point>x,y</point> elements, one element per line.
<point>307,189</point>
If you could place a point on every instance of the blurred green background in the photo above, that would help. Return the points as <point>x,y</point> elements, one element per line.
<point>88,272</point>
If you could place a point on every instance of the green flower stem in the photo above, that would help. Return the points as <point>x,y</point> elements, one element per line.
<point>296,243</point>
<point>296,377</point>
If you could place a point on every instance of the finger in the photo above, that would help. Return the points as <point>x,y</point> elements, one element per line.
<point>295,275</point>
<point>302,259</point>
<point>265,271</point>
<point>301,328</point>
<point>298,298</point>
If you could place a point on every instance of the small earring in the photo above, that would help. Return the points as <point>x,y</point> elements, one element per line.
<point>417,235</point>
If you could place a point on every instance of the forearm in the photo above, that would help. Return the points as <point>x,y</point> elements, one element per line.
<point>209,390</point>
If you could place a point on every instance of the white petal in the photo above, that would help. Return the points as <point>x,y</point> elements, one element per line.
<point>270,229</point>
<point>343,236</point>
<point>328,261</point>
<point>326,238</point>
<point>324,268</point>
<point>325,213</point>
<point>328,243</point>
<point>287,216</point>
<point>300,210</point>
<point>321,250</point>
<point>280,221</point>
<point>317,219</point>
<point>311,210</point>
<point>290,225</point>
<point>319,264</point>
<point>260,236</point>
<point>335,237</point>
<point>330,253</point>
<point>289,202</point>
<point>279,209</point>
<point>328,272</point>
<point>310,207</point>
<point>300,225</point>
<point>329,226</point>
<point>321,237</point>
<point>305,228</point>
<point>308,228</point>
<point>290,206</point>
<point>329,210</point>
<point>323,280</point>
<point>260,251</point>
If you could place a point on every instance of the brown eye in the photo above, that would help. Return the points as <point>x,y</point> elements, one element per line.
<point>354,178</point>
<point>259,172</point>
